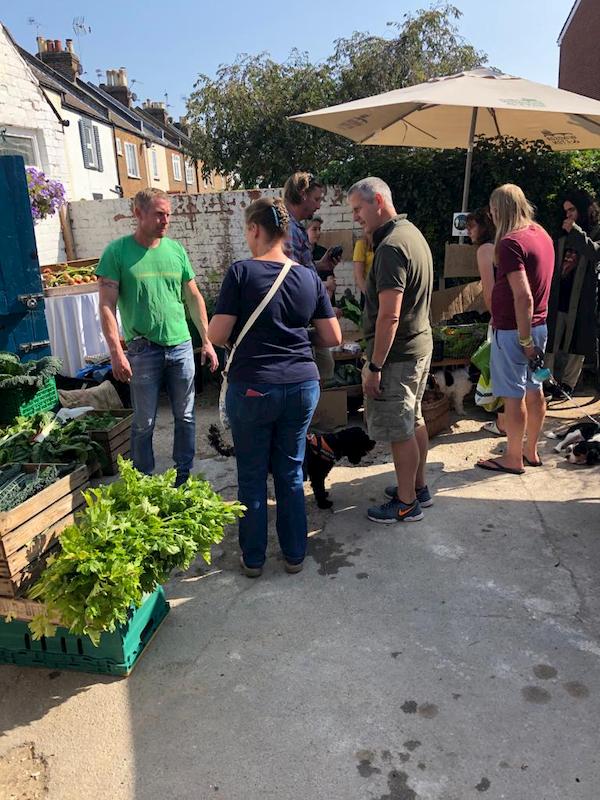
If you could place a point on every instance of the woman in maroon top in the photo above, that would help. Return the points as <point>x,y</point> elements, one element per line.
<point>525,262</point>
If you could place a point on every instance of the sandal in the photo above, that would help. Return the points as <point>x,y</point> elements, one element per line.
<point>492,427</point>
<point>494,466</point>
<point>529,463</point>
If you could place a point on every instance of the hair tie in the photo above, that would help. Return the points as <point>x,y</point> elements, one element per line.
<point>276,215</point>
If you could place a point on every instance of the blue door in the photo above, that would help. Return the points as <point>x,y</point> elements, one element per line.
<point>23,328</point>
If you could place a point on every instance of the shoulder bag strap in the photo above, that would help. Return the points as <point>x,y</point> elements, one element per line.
<point>259,309</point>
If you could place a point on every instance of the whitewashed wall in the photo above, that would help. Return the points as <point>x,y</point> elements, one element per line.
<point>24,107</point>
<point>87,182</point>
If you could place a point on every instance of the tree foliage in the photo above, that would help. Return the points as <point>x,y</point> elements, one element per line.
<point>240,126</point>
<point>239,119</point>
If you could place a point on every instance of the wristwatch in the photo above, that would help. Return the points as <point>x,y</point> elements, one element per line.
<point>373,367</point>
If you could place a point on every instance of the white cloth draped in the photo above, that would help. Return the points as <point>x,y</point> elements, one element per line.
<point>74,329</point>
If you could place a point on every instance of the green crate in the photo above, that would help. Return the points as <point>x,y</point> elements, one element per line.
<point>25,403</point>
<point>116,653</point>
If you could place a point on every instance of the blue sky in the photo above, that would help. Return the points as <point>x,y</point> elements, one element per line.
<point>165,45</point>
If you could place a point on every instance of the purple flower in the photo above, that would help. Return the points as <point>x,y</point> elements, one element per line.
<point>45,194</point>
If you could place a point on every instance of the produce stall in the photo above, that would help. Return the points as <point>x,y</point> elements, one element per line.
<point>73,313</point>
<point>36,503</point>
<point>98,602</point>
<point>81,569</point>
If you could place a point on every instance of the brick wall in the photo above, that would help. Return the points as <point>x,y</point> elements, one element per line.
<point>209,226</point>
<point>579,69</point>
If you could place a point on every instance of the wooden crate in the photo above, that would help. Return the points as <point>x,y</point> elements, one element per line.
<point>80,288</point>
<point>30,531</point>
<point>24,609</point>
<point>116,440</point>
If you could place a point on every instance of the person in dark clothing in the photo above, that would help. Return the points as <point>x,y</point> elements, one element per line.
<point>573,309</point>
<point>273,384</point>
<point>313,229</point>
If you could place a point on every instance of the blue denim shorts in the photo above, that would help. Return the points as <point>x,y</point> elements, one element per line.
<point>511,376</point>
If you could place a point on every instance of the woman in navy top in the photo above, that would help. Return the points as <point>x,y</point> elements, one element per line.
<point>273,381</point>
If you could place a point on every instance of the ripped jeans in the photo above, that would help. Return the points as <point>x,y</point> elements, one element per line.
<point>151,364</point>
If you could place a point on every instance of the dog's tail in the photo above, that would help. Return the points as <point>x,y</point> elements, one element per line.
<point>215,440</point>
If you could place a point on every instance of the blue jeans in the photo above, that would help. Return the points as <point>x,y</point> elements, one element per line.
<point>269,432</point>
<point>151,364</point>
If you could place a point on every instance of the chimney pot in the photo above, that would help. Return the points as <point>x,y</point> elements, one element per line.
<point>69,45</point>
<point>122,76</point>
<point>58,45</point>
<point>49,46</point>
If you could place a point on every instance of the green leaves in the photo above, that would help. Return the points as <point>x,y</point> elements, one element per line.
<point>34,374</point>
<point>239,119</point>
<point>132,534</point>
<point>66,444</point>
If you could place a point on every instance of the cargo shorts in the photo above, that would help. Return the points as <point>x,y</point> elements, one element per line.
<point>394,415</point>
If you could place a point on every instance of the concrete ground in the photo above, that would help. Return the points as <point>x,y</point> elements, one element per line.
<point>451,659</point>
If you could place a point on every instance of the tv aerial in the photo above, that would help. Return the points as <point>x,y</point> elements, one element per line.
<point>37,25</point>
<point>80,28</point>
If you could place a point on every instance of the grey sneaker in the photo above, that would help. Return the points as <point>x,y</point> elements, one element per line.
<point>423,495</point>
<point>395,511</point>
<point>250,572</point>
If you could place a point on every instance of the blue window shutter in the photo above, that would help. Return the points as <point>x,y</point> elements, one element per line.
<point>99,165</point>
<point>84,149</point>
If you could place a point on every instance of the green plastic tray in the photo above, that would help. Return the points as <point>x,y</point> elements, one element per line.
<point>19,402</point>
<point>116,654</point>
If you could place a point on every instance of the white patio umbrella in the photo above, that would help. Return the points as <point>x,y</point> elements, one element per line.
<point>450,112</point>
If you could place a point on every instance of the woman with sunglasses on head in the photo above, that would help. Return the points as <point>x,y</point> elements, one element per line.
<point>573,309</point>
<point>482,232</point>
<point>273,382</point>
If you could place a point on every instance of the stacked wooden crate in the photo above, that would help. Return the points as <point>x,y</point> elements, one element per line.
<point>29,533</point>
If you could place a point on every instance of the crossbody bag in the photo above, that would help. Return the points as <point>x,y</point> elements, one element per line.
<point>251,320</point>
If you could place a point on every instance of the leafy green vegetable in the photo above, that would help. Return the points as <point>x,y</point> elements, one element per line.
<point>33,374</point>
<point>93,422</point>
<point>344,375</point>
<point>61,445</point>
<point>127,540</point>
<point>350,308</point>
<point>17,486</point>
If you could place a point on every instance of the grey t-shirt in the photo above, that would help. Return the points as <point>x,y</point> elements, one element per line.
<point>403,262</point>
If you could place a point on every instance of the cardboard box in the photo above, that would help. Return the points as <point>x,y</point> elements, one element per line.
<point>460,261</point>
<point>445,303</point>
<point>331,411</point>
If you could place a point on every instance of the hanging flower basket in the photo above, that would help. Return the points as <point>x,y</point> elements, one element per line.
<point>45,194</point>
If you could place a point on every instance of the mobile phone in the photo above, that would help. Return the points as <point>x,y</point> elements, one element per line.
<point>336,251</point>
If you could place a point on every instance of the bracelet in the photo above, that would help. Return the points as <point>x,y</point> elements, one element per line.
<point>374,367</point>
<point>527,341</point>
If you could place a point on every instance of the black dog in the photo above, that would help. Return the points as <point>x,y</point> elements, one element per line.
<point>322,451</point>
<point>571,434</point>
<point>586,453</point>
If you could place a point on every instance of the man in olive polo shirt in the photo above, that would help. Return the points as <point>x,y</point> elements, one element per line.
<point>399,345</point>
<point>150,278</point>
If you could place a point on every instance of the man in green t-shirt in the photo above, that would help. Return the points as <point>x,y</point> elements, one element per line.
<point>150,279</point>
<point>399,345</point>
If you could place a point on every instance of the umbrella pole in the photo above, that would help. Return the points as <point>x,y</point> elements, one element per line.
<point>468,164</point>
<point>467,183</point>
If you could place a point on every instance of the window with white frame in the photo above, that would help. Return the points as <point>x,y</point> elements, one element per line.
<point>20,143</point>
<point>131,159</point>
<point>154,164</point>
<point>189,173</point>
<point>119,146</point>
<point>176,167</point>
<point>90,145</point>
